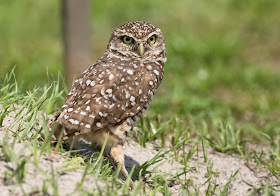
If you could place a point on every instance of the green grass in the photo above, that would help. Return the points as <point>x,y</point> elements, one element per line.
<point>221,84</point>
<point>219,134</point>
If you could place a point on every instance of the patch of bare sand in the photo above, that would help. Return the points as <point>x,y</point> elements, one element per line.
<point>225,165</point>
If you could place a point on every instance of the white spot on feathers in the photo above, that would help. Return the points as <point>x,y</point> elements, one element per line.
<point>129,71</point>
<point>92,83</point>
<point>109,91</point>
<point>98,100</point>
<point>102,91</point>
<point>111,77</point>
<point>101,81</point>
<point>98,124</point>
<point>132,98</point>
<point>88,82</point>
<point>91,116</point>
<point>156,72</point>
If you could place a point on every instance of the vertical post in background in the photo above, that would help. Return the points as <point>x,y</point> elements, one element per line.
<point>76,37</point>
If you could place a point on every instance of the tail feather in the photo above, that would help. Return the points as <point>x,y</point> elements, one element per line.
<point>60,129</point>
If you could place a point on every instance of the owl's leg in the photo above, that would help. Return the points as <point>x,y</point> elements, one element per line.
<point>73,142</point>
<point>117,157</point>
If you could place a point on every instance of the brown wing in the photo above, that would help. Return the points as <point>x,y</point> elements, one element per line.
<point>107,94</point>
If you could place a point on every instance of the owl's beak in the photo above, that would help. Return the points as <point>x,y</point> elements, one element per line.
<point>141,49</point>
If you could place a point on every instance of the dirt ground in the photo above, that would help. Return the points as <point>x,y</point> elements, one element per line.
<point>249,174</point>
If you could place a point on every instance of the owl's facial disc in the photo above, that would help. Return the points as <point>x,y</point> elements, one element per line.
<point>137,40</point>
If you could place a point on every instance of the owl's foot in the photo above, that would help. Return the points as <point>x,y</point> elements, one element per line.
<point>117,158</point>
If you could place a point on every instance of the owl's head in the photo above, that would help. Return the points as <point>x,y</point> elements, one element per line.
<point>138,40</point>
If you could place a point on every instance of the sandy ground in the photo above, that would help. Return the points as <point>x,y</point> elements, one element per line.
<point>249,174</point>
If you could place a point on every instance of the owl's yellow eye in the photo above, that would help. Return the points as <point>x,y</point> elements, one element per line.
<point>127,40</point>
<point>152,39</point>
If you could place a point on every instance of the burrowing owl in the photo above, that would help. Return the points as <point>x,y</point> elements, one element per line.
<point>111,95</point>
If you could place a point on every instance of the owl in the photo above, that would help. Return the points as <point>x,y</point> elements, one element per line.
<point>110,97</point>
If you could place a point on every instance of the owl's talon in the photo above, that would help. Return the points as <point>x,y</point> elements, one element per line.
<point>117,158</point>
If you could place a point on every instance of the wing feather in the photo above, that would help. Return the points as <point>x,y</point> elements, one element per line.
<point>107,94</point>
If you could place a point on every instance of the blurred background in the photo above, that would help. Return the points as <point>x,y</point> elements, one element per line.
<point>223,55</point>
